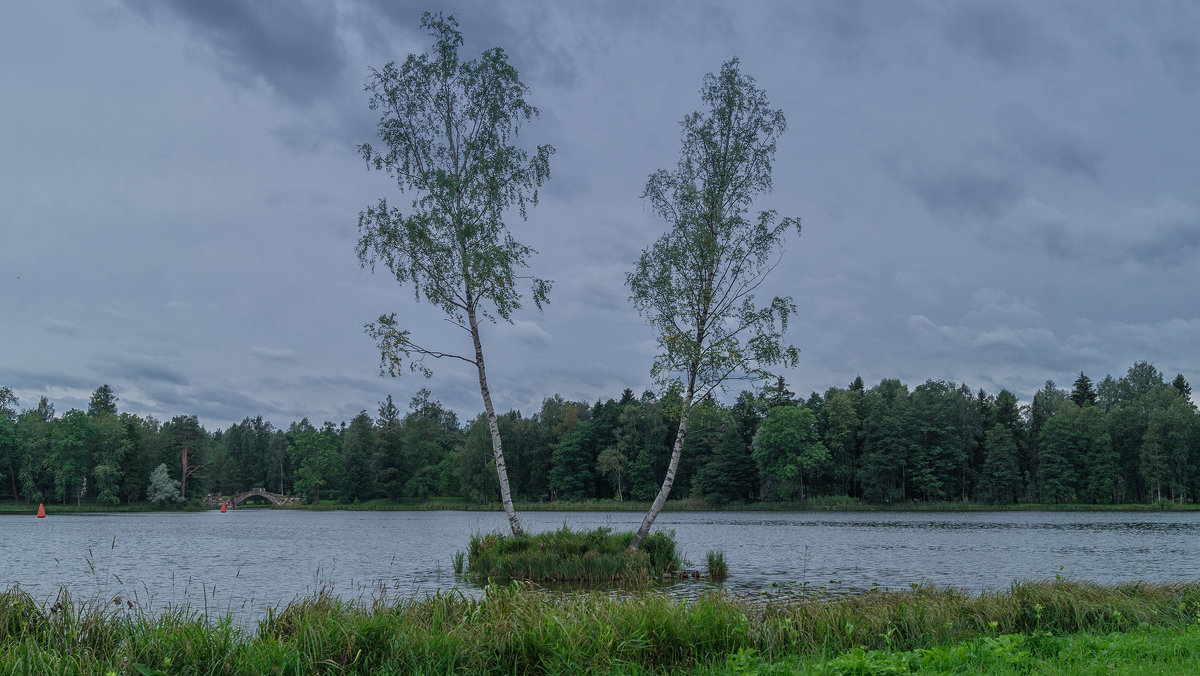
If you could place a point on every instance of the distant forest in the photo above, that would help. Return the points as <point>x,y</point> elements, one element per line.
<point>1130,439</point>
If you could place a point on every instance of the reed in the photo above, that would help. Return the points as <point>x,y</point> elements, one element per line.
<point>718,569</point>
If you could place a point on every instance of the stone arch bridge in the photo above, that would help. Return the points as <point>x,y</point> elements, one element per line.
<point>258,492</point>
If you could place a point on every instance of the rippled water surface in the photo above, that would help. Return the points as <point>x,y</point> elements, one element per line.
<point>245,561</point>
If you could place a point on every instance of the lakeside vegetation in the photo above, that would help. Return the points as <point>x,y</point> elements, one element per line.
<point>1132,442</point>
<point>567,556</point>
<point>1031,626</point>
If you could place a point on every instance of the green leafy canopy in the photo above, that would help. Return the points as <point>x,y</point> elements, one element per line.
<point>448,128</point>
<point>696,283</point>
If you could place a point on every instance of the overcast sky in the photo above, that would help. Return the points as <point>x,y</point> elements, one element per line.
<point>994,193</point>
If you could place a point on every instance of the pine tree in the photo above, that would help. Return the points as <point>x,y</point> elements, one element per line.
<point>1083,394</point>
<point>1180,383</point>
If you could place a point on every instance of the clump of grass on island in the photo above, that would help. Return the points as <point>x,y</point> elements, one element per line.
<point>570,556</point>
<point>509,630</point>
<point>718,569</point>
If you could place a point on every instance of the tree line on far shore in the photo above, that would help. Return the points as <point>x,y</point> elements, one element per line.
<point>1130,439</point>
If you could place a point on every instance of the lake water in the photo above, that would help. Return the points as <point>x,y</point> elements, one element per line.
<point>247,560</point>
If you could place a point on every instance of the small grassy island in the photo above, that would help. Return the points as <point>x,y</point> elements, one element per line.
<point>597,556</point>
<point>1033,627</point>
<point>568,556</point>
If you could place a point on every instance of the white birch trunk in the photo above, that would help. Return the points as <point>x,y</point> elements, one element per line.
<point>494,428</point>
<point>668,481</point>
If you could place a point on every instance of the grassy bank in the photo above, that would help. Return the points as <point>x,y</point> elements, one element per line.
<point>512,629</point>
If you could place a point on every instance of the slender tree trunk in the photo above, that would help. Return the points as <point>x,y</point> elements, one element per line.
<point>183,474</point>
<point>12,476</point>
<point>494,428</point>
<point>669,480</point>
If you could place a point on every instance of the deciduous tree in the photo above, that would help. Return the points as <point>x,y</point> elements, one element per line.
<point>449,128</point>
<point>787,448</point>
<point>695,285</point>
<point>162,489</point>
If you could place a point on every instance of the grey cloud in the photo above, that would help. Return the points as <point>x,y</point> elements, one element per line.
<point>484,25</point>
<point>1164,234</point>
<point>282,355</point>
<point>1172,27</point>
<point>208,402</point>
<point>965,191</point>
<point>1173,337</point>
<point>989,353</point>
<point>992,305</point>
<point>326,382</point>
<point>1038,144</point>
<point>1181,56</point>
<point>63,327</point>
<point>851,34</point>
<point>998,33</point>
<point>29,379</point>
<point>1171,244</point>
<point>292,46</point>
<point>142,370</point>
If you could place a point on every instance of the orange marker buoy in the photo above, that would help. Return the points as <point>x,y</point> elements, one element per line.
<point>222,507</point>
<point>41,511</point>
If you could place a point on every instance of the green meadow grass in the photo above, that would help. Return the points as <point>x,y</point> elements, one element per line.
<point>1032,627</point>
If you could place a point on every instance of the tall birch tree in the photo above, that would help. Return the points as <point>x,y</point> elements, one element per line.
<point>448,129</point>
<point>695,285</point>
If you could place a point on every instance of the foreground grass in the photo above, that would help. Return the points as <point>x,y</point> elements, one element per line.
<point>1051,627</point>
<point>1144,650</point>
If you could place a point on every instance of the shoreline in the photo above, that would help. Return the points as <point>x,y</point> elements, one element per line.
<point>840,505</point>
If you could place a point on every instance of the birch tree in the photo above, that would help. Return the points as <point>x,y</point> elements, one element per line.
<point>695,285</point>
<point>448,129</point>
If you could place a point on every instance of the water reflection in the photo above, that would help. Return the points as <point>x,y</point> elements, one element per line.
<point>248,560</point>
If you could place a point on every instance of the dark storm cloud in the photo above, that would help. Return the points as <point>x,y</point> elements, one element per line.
<point>290,45</point>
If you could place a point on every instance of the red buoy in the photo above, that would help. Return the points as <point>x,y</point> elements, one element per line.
<point>222,507</point>
<point>41,511</point>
